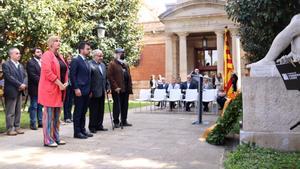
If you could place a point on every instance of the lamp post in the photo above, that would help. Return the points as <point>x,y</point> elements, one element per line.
<point>101,29</point>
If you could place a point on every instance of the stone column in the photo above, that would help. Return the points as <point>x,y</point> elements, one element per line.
<point>234,49</point>
<point>239,62</point>
<point>220,49</point>
<point>236,55</point>
<point>169,57</point>
<point>182,55</point>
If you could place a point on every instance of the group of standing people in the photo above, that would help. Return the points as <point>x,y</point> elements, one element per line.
<point>55,82</point>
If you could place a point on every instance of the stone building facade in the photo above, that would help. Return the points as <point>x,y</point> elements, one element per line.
<point>189,34</point>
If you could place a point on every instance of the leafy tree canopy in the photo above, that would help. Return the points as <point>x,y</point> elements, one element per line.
<point>260,21</point>
<point>28,23</point>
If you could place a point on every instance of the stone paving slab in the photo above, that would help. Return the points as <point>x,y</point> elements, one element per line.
<point>158,140</point>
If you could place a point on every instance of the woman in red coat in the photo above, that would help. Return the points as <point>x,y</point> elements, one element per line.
<point>51,92</point>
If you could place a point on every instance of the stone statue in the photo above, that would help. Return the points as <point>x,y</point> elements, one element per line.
<point>290,35</point>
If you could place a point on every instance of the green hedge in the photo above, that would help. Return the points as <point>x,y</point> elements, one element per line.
<point>252,157</point>
<point>227,122</point>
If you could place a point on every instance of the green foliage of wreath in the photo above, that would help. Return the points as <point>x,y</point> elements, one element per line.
<point>227,122</point>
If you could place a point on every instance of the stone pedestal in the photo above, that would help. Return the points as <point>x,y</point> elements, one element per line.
<point>269,112</point>
<point>264,71</point>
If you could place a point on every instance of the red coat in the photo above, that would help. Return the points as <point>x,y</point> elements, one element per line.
<point>49,94</point>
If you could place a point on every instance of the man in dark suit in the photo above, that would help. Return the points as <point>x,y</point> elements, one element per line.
<point>163,85</point>
<point>80,74</point>
<point>189,84</point>
<point>121,86</point>
<point>14,87</point>
<point>99,87</point>
<point>34,72</point>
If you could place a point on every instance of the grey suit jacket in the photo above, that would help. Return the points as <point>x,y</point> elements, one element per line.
<point>12,79</point>
<point>99,82</point>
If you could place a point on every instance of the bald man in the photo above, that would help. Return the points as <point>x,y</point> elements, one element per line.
<point>14,87</point>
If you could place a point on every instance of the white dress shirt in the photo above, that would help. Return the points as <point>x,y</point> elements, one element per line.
<point>100,68</point>
<point>38,60</point>
<point>16,63</point>
<point>173,86</point>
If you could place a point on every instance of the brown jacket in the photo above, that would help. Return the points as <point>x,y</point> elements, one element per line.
<point>116,77</point>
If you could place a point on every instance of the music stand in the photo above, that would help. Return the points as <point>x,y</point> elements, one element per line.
<point>199,79</point>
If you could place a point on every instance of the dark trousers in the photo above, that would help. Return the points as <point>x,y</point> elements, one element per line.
<point>96,106</point>
<point>13,112</point>
<point>68,103</point>
<point>221,101</point>
<point>172,105</point>
<point>205,105</point>
<point>81,106</point>
<point>120,101</point>
<point>35,112</point>
<point>187,106</point>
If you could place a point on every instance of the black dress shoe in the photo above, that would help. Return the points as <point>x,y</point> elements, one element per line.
<point>102,129</point>
<point>80,136</point>
<point>40,126</point>
<point>33,127</point>
<point>116,126</point>
<point>126,124</point>
<point>93,131</point>
<point>87,134</point>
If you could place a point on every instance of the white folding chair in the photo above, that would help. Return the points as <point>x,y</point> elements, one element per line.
<point>144,96</point>
<point>159,95</point>
<point>175,96</point>
<point>191,95</point>
<point>209,95</point>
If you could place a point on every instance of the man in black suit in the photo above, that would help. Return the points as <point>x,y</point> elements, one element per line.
<point>99,85</point>
<point>14,87</point>
<point>80,74</point>
<point>189,84</point>
<point>34,72</point>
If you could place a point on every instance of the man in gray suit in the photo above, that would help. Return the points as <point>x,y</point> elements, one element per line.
<point>99,86</point>
<point>14,87</point>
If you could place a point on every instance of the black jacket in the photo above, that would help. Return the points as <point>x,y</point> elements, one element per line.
<point>99,82</point>
<point>193,85</point>
<point>163,86</point>
<point>33,73</point>
<point>13,79</point>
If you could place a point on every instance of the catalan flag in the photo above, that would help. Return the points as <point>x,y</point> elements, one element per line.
<point>228,66</point>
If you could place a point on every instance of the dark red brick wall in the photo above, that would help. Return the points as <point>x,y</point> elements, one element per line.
<point>152,62</point>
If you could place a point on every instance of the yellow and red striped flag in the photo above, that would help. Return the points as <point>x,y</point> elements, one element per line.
<point>228,66</point>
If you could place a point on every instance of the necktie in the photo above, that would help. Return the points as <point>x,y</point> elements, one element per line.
<point>99,66</point>
<point>86,63</point>
<point>20,73</point>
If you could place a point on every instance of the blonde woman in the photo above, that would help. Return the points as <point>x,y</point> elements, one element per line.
<point>51,92</point>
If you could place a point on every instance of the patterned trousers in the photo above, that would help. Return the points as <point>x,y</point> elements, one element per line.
<point>51,124</point>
